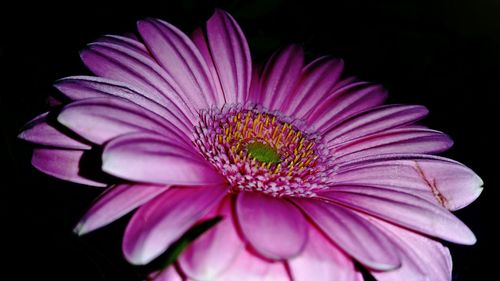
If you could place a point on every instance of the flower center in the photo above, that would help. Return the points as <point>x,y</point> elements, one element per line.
<point>261,151</point>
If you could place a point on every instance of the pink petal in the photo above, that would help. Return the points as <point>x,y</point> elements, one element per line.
<point>212,253</point>
<point>85,87</point>
<point>265,221</point>
<point>38,131</point>
<point>373,121</point>
<point>397,140</point>
<point>450,183</point>
<point>181,59</point>
<point>352,233</point>
<point>231,56</point>
<point>163,220</point>
<point>115,202</point>
<point>129,65</point>
<point>153,158</point>
<point>61,163</point>
<point>345,102</point>
<point>319,78</point>
<point>422,258</point>
<point>403,209</point>
<point>129,42</point>
<point>168,274</point>
<point>249,267</point>
<point>279,77</point>
<point>321,261</point>
<point>101,119</point>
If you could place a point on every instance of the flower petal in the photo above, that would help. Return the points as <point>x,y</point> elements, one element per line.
<point>39,131</point>
<point>451,184</point>
<point>373,121</point>
<point>168,274</point>
<point>163,220</point>
<point>279,77</point>
<point>265,220</point>
<point>403,209</point>
<point>63,164</point>
<point>231,56</point>
<point>397,140</point>
<point>422,258</point>
<point>101,119</point>
<point>321,261</point>
<point>115,202</point>
<point>211,254</point>
<point>352,233</point>
<point>85,87</point>
<point>181,59</point>
<point>153,158</point>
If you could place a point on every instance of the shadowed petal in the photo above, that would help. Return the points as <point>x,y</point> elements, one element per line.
<point>163,220</point>
<point>167,274</point>
<point>115,202</point>
<point>321,261</point>
<point>403,209</point>
<point>153,158</point>
<point>231,56</point>
<point>265,220</point>
<point>61,163</point>
<point>353,234</point>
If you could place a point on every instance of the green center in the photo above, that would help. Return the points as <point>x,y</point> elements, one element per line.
<point>263,152</point>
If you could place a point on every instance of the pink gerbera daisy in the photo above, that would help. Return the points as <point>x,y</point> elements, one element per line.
<point>307,168</point>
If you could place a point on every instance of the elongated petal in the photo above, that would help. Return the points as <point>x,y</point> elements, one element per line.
<point>398,140</point>
<point>403,209</point>
<point>115,202</point>
<point>321,261</point>
<point>160,222</point>
<point>280,76</point>
<point>38,131</point>
<point>422,258</point>
<point>231,56</point>
<point>101,119</point>
<point>345,102</point>
<point>62,163</point>
<point>450,183</point>
<point>213,253</point>
<point>355,235</point>
<point>180,58</point>
<point>85,87</point>
<point>374,121</point>
<point>152,158</point>
<point>319,78</point>
<point>265,220</point>
<point>168,274</point>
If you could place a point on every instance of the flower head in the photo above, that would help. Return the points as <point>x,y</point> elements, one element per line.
<point>307,168</point>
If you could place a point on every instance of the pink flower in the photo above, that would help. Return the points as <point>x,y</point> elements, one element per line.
<point>309,171</point>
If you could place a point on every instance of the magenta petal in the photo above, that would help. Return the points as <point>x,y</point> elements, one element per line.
<point>115,202</point>
<point>352,233</point>
<point>38,131</point>
<point>398,140</point>
<point>321,261</point>
<point>422,258</point>
<point>160,222</point>
<point>450,183</point>
<point>373,121</point>
<point>265,220</point>
<point>279,77</point>
<point>212,253</point>
<point>61,163</point>
<point>129,42</point>
<point>101,119</point>
<point>403,209</point>
<point>153,158</point>
<point>85,87</point>
<point>168,274</point>
<point>319,78</point>
<point>181,59</point>
<point>231,56</point>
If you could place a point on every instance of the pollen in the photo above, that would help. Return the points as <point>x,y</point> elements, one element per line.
<point>263,151</point>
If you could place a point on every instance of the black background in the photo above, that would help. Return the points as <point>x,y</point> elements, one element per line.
<point>443,54</point>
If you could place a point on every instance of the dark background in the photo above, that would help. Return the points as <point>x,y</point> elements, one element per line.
<point>443,54</point>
